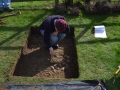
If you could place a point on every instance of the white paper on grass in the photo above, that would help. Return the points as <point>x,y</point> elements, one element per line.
<point>100,31</point>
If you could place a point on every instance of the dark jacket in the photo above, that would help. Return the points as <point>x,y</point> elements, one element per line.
<point>48,26</point>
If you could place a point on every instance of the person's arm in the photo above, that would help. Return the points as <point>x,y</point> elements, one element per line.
<point>67,29</point>
<point>51,52</point>
<point>47,40</point>
<point>47,35</point>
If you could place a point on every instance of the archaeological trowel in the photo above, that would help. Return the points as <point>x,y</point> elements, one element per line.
<point>118,70</point>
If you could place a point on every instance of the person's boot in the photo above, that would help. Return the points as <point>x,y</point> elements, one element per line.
<point>55,46</point>
<point>9,9</point>
<point>1,10</point>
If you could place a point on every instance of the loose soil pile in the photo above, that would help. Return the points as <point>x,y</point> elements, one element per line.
<point>35,60</point>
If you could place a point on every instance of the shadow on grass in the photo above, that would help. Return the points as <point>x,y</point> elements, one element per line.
<point>113,83</point>
<point>100,40</point>
<point>95,20</point>
<point>19,30</point>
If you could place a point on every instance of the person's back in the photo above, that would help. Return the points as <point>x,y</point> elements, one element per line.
<point>48,23</point>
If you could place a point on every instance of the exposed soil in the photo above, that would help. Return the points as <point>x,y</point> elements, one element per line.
<point>3,86</point>
<point>35,60</point>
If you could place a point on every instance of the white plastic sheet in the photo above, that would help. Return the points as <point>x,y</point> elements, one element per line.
<point>100,31</point>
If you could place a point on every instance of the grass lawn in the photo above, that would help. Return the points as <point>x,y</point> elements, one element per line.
<point>97,58</point>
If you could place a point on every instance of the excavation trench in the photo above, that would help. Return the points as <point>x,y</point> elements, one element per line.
<point>34,60</point>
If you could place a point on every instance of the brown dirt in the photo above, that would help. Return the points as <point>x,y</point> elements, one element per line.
<point>35,60</point>
<point>3,86</point>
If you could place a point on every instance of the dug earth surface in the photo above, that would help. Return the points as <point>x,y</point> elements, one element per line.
<point>35,61</point>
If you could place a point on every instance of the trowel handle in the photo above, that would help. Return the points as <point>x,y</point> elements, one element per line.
<point>117,71</point>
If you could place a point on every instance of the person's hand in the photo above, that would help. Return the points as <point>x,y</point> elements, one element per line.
<point>51,52</point>
<point>54,33</point>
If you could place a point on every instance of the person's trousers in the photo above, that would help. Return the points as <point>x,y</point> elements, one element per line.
<point>4,4</point>
<point>54,40</point>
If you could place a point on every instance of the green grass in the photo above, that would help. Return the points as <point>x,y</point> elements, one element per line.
<point>97,58</point>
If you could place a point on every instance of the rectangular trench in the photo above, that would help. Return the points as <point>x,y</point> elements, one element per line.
<point>34,60</point>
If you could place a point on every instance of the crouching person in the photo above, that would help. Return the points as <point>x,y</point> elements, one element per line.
<point>53,29</point>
